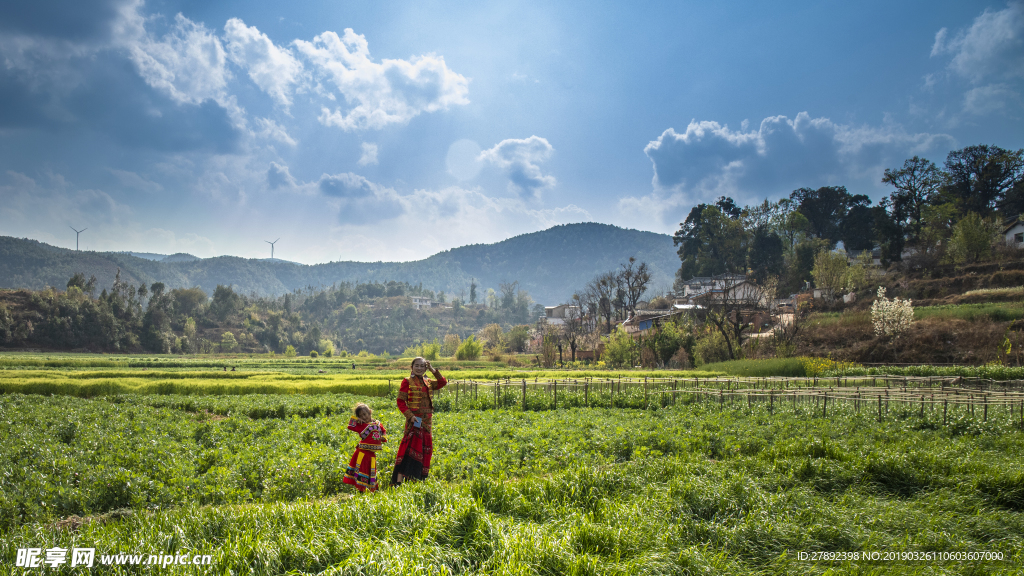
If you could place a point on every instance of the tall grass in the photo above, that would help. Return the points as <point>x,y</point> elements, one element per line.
<point>997,312</point>
<point>693,490</point>
<point>792,367</point>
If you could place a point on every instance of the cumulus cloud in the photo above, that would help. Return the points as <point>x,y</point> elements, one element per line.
<point>274,69</point>
<point>369,154</point>
<point>709,158</point>
<point>189,63</point>
<point>360,200</point>
<point>278,176</point>
<point>519,158</point>
<point>380,93</point>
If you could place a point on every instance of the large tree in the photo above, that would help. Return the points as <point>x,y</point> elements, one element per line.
<point>826,209</point>
<point>712,240</point>
<point>858,225</point>
<point>916,184</point>
<point>981,178</point>
<point>766,254</point>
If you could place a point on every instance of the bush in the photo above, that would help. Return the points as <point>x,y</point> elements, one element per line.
<point>711,347</point>
<point>289,351</point>
<point>327,348</point>
<point>313,354</point>
<point>228,342</point>
<point>620,350</point>
<point>891,317</point>
<point>680,360</point>
<point>451,345</point>
<point>470,349</point>
<point>972,239</point>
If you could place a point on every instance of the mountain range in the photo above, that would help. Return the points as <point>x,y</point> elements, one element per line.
<point>549,264</point>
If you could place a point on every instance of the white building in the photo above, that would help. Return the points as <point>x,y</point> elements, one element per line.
<point>420,302</point>
<point>1014,233</point>
<point>555,315</point>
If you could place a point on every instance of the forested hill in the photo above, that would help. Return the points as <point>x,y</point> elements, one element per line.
<point>549,264</point>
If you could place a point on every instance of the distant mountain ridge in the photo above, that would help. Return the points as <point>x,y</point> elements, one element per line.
<point>549,264</point>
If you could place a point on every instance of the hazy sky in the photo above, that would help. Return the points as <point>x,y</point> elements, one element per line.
<point>393,130</point>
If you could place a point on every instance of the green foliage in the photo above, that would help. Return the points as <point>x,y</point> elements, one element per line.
<point>972,239</point>
<point>428,350</point>
<point>228,343</point>
<point>791,367</point>
<point>289,351</point>
<point>313,354</point>
<point>469,349</point>
<point>988,371</point>
<point>829,272</point>
<point>710,347</point>
<point>620,349</point>
<point>711,241</point>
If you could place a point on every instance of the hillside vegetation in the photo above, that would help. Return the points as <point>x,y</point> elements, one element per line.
<point>548,264</point>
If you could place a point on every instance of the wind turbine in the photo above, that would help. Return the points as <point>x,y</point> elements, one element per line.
<point>77,232</point>
<point>271,247</point>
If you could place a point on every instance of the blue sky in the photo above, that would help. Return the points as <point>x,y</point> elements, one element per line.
<point>393,130</point>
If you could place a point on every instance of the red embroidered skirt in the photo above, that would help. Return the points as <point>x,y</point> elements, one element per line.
<point>362,470</point>
<point>413,458</point>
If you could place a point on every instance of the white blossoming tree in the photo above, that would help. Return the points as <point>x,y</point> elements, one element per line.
<point>891,318</point>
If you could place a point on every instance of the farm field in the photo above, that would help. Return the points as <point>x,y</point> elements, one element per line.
<point>690,487</point>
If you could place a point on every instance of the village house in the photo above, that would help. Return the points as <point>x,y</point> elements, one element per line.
<point>1013,231</point>
<point>555,315</point>
<point>419,302</point>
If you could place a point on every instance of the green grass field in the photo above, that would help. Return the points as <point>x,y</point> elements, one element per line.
<point>184,459</point>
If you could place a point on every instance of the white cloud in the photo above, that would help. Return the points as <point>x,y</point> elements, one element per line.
<point>271,67</point>
<point>992,47</point>
<point>520,159</point>
<point>278,176</point>
<point>710,159</point>
<point>267,128</point>
<point>369,154</point>
<point>188,63</point>
<point>989,55</point>
<point>388,92</point>
<point>990,98</point>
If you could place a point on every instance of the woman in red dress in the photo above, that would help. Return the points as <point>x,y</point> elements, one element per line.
<point>413,458</point>
<point>362,468</point>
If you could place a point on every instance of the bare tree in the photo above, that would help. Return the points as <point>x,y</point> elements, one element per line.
<point>574,327</point>
<point>634,280</point>
<point>602,291</point>
<point>725,310</point>
<point>508,293</point>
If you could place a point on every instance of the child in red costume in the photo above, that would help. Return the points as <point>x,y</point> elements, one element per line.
<point>413,457</point>
<point>362,468</point>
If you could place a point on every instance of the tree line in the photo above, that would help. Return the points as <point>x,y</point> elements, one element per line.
<point>377,317</point>
<point>932,215</point>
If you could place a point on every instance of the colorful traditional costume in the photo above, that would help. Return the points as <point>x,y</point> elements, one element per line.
<point>362,468</point>
<point>413,458</point>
